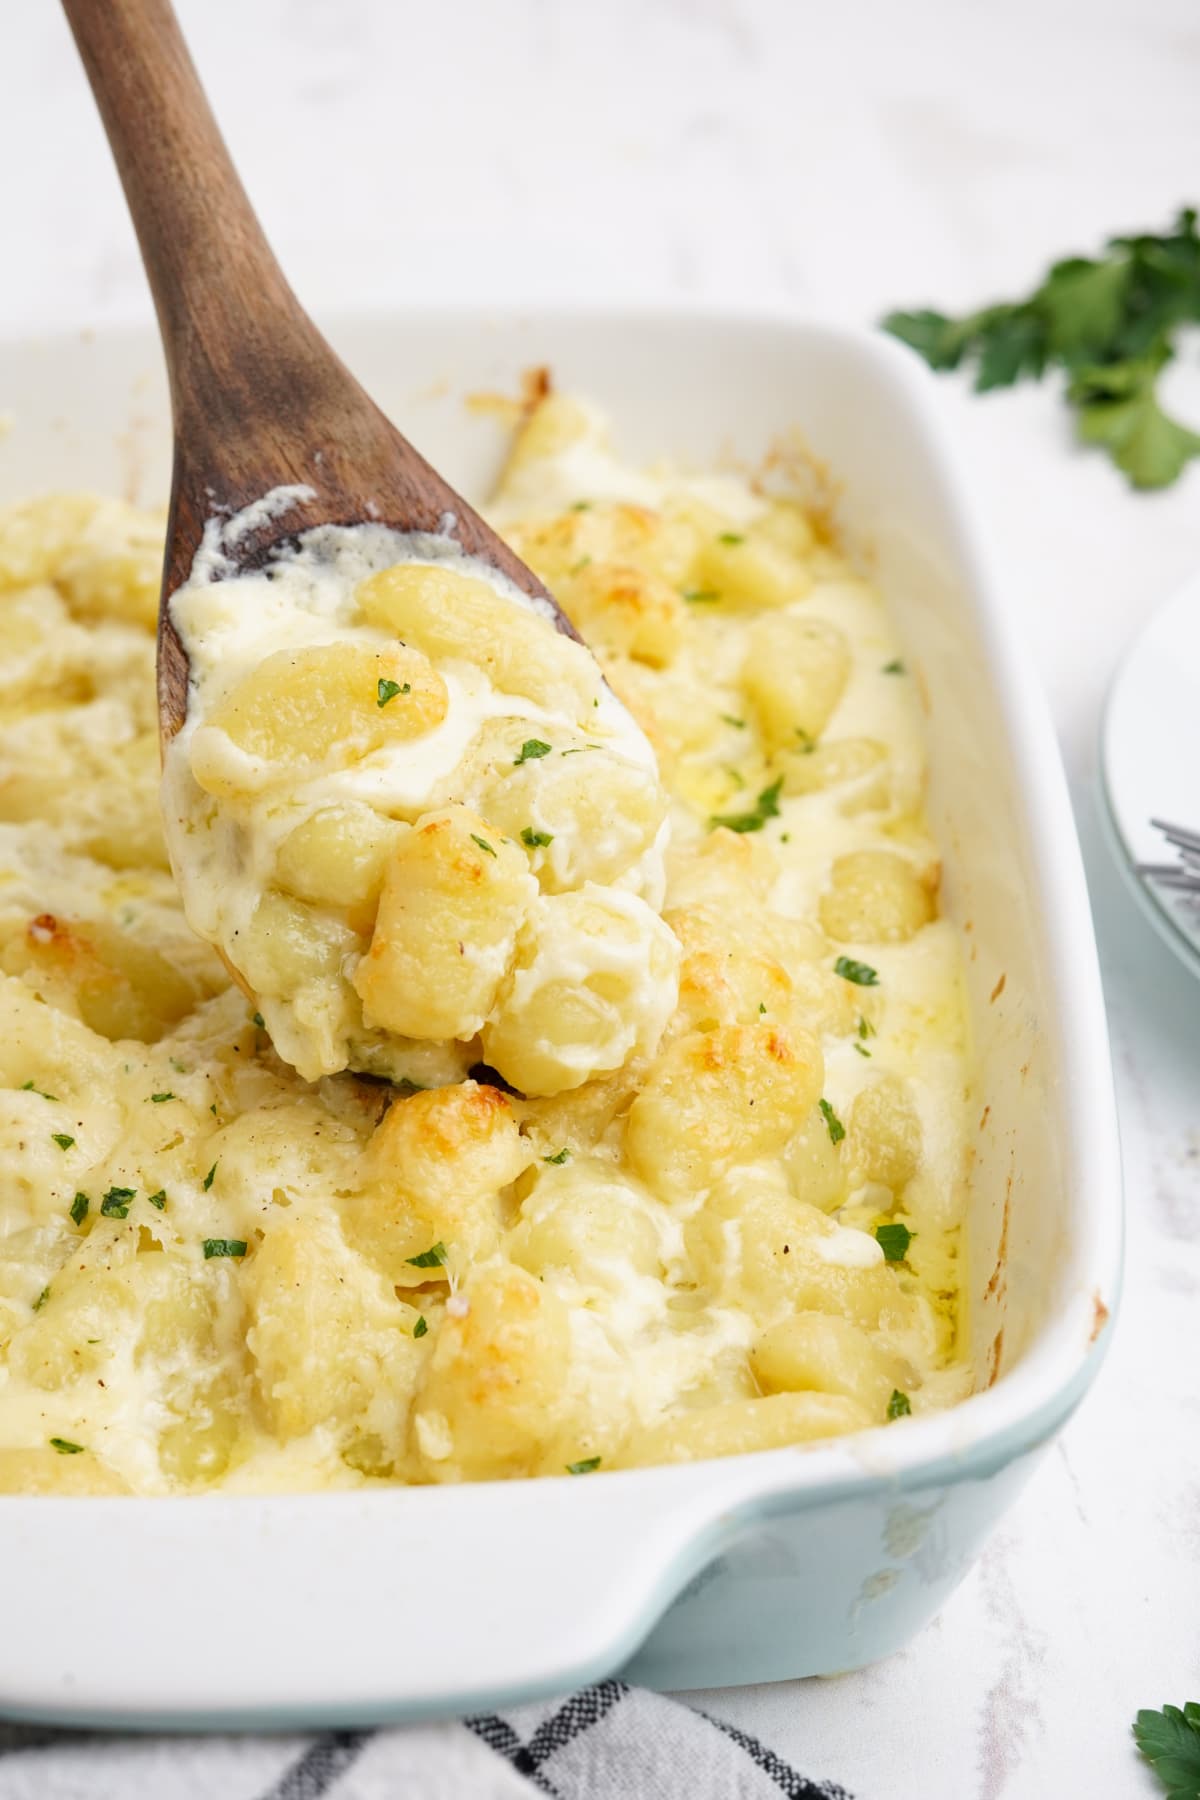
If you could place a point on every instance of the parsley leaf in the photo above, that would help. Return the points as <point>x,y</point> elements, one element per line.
<point>898,1406</point>
<point>257,1019</point>
<point>157,1099</point>
<point>561,1156</point>
<point>536,840</point>
<point>531,749</point>
<point>586,1467</point>
<point>115,1204</point>
<point>208,1179</point>
<point>894,1240</point>
<point>433,1258</point>
<point>41,1299</point>
<point>860,973</point>
<point>1119,411</point>
<point>837,1130</point>
<point>158,1200</point>
<point>1170,1742</point>
<point>1110,323</point>
<point>28,1087</point>
<point>63,1139</point>
<point>738,724</point>
<point>65,1447</point>
<point>224,1247</point>
<point>421,1327</point>
<point>701,596</point>
<point>483,844</point>
<point>387,690</point>
<point>895,667</point>
<point>79,1208</point>
<point>765,807</point>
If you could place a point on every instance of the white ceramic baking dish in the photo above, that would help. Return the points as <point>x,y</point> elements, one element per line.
<point>395,1604</point>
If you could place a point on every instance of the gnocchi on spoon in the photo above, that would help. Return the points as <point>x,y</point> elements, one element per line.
<point>399,797</point>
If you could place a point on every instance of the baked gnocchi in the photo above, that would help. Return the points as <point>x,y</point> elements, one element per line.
<point>517,1082</point>
<point>385,766</point>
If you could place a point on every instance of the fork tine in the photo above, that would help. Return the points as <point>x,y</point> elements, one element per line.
<point>1178,834</point>
<point>1179,879</point>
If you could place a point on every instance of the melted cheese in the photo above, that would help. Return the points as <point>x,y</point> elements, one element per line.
<point>214,1273</point>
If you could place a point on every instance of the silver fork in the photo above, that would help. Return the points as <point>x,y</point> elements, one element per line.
<point>1182,877</point>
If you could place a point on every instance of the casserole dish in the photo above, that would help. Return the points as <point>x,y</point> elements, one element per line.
<point>383,1605</point>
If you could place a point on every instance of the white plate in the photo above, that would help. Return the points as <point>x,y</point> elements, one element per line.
<point>1150,760</point>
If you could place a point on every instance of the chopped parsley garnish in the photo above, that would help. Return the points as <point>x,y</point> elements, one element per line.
<point>701,596</point>
<point>79,1208</point>
<point>388,690</point>
<point>765,807</point>
<point>421,1326</point>
<point>157,1099</point>
<point>1111,324</point>
<point>28,1087</point>
<point>861,974</point>
<point>483,844</point>
<point>433,1258</point>
<point>837,1130</point>
<point>257,1019</point>
<point>224,1247</point>
<point>579,506</point>
<point>536,840</point>
<point>115,1204</point>
<point>578,567</point>
<point>762,1006</point>
<point>561,1157</point>
<point>805,742</point>
<point>585,1467</point>
<point>159,1200</point>
<point>738,724</point>
<point>895,667</point>
<point>579,749</point>
<point>41,1299</point>
<point>862,1049</point>
<point>531,749</point>
<point>65,1447</point>
<point>63,1139</point>
<point>731,537</point>
<point>1170,1742</point>
<point>865,1027</point>
<point>894,1240</point>
<point>208,1179</point>
<point>898,1406</point>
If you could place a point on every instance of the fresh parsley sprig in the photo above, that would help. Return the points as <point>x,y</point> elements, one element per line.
<point>1170,1742</point>
<point>1110,323</point>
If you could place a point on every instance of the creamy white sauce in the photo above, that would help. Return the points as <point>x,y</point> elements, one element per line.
<point>224,853</point>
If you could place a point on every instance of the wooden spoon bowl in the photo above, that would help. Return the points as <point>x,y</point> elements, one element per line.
<point>258,398</point>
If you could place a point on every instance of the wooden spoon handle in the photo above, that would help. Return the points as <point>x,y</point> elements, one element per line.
<point>260,401</point>
<point>224,308</point>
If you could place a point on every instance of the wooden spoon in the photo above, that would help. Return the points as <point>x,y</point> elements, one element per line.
<point>259,399</point>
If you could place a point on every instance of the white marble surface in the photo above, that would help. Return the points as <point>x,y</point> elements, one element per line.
<point>840,159</point>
